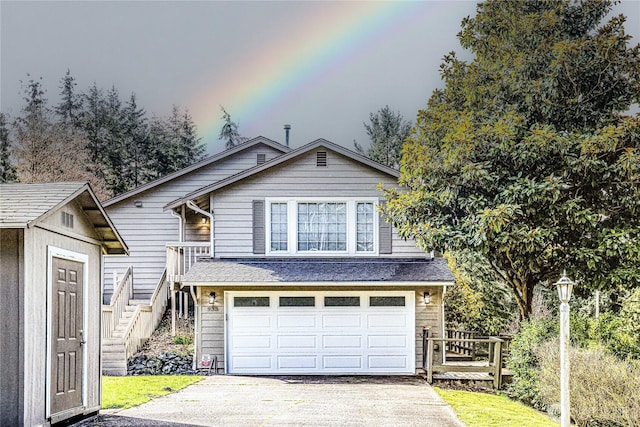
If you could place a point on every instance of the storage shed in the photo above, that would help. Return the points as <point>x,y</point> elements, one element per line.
<point>52,241</point>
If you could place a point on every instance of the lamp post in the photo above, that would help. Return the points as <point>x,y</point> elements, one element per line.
<point>565,287</point>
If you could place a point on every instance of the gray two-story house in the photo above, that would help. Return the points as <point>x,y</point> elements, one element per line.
<point>291,267</point>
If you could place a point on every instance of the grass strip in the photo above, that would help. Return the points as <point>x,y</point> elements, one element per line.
<point>127,392</point>
<point>489,410</point>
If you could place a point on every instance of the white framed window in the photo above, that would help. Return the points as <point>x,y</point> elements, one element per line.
<point>321,226</point>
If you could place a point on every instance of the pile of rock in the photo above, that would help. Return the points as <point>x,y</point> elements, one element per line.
<point>163,364</point>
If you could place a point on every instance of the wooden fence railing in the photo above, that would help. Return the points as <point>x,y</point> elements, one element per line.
<point>492,366</point>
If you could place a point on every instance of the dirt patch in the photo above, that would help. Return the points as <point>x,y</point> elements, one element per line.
<point>163,342</point>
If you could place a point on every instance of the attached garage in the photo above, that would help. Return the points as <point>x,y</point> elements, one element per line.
<point>330,332</point>
<point>315,316</point>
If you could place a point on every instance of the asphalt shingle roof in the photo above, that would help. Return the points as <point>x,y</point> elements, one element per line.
<point>255,270</point>
<point>21,204</point>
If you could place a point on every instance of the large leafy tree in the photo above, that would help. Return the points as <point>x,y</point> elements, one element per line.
<point>525,155</point>
<point>387,131</point>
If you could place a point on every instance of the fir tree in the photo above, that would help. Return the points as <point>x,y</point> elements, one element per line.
<point>7,169</point>
<point>387,133</point>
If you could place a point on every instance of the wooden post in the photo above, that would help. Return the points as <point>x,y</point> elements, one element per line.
<point>497,364</point>
<point>173,311</point>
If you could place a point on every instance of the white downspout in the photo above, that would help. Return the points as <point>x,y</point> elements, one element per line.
<point>444,331</point>
<point>195,208</point>
<point>195,332</point>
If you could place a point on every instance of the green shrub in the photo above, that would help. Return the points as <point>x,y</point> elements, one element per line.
<point>604,389</point>
<point>182,339</point>
<point>524,363</point>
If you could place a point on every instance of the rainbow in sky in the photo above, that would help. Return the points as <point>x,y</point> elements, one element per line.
<point>322,43</point>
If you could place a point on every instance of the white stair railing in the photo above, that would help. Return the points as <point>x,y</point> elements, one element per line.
<point>122,292</point>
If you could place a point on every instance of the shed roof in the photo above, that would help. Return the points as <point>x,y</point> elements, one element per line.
<point>256,271</point>
<point>23,205</point>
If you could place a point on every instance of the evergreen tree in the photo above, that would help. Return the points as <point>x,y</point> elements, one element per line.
<point>137,148</point>
<point>70,106</point>
<point>387,133</point>
<point>49,151</point>
<point>229,131</point>
<point>7,169</point>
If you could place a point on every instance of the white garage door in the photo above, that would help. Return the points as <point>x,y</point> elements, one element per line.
<point>351,332</point>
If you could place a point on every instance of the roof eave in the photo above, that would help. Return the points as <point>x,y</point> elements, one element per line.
<point>277,161</point>
<point>357,284</point>
<point>204,162</point>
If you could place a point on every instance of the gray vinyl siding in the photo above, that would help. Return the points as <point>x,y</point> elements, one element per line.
<point>11,297</point>
<point>428,315</point>
<point>342,177</point>
<point>210,328</point>
<point>147,229</point>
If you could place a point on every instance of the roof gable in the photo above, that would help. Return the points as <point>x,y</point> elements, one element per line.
<point>319,143</point>
<point>24,205</point>
<point>201,164</point>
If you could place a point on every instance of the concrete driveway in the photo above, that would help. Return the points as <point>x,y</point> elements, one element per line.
<point>299,401</point>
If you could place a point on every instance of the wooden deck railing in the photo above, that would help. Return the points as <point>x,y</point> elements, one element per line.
<point>122,292</point>
<point>182,255</point>
<point>458,343</point>
<point>493,366</point>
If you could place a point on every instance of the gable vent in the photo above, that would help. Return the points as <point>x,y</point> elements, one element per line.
<point>67,219</point>
<point>261,158</point>
<point>321,158</point>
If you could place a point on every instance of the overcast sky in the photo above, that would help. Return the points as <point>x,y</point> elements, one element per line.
<point>320,66</point>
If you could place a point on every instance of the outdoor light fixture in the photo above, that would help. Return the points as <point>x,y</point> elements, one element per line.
<point>204,219</point>
<point>565,286</point>
<point>138,203</point>
<point>212,298</point>
<point>427,298</point>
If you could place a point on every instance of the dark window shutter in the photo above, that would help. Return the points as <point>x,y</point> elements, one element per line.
<point>384,235</point>
<point>258,227</point>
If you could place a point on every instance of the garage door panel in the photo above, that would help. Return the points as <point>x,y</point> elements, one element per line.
<point>342,362</point>
<point>388,362</point>
<point>341,341</point>
<point>387,341</point>
<point>295,342</point>
<point>298,362</point>
<point>251,321</point>
<point>251,363</point>
<point>341,320</point>
<point>386,321</point>
<point>242,342</point>
<point>297,321</point>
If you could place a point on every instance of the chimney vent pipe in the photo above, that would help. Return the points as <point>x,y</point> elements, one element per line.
<point>287,128</point>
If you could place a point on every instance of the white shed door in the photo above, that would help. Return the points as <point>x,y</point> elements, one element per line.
<point>351,332</point>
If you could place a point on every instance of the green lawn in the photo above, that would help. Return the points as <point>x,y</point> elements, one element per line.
<point>488,410</point>
<point>126,392</point>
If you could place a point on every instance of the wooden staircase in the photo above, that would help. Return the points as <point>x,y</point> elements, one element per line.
<point>114,354</point>
<point>128,323</point>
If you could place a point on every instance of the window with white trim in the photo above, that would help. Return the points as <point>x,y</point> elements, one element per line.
<point>310,226</point>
